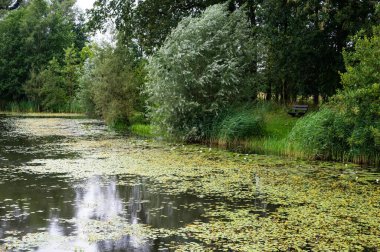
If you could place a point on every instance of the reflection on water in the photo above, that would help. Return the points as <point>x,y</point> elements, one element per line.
<point>44,204</point>
<point>35,204</point>
<point>65,214</point>
<point>61,207</point>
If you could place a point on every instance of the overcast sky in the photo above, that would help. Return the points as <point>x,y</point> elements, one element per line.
<point>99,37</point>
<point>85,4</point>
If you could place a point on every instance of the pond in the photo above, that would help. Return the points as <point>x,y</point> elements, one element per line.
<point>69,184</point>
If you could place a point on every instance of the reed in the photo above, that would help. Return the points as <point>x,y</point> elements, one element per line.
<point>305,138</point>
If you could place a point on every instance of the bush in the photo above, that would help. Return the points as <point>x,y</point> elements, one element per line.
<point>202,68</point>
<point>240,125</point>
<point>322,135</point>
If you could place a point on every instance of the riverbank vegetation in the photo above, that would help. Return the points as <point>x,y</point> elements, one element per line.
<point>217,72</point>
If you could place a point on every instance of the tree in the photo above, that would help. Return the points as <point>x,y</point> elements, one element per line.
<point>111,83</point>
<point>149,22</point>
<point>55,87</point>
<point>348,127</point>
<point>304,41</point>
<point>360,96</point>
<point>200,71</point>
<point>31,37</point>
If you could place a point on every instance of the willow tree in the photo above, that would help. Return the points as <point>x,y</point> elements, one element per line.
<point>202,68</point>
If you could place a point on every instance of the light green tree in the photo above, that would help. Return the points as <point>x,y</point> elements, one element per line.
<point>202,68</point>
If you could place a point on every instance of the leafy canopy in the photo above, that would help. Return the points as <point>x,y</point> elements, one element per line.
<point>361,92</point>
<point>200,70</point>
<point>31,36</point>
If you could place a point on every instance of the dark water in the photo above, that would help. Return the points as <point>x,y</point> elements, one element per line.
<point>57,204</point>
<point>32,203</point>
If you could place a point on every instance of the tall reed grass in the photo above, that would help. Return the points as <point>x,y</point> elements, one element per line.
<point>318,136</point>
<point>32,107</point>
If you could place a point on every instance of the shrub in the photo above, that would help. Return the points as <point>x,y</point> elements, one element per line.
<point>202,68</point>
<point>240,125</point>
<point>322,135</point>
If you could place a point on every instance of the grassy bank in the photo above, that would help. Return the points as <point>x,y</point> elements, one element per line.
<point>32,107</point>
<point>266,129</point>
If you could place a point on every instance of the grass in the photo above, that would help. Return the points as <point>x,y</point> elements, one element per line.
<point>313,143</point>
<point>144,130</point>
<point>32,107</point>
<point>21,107</point>
<point>277,126</point>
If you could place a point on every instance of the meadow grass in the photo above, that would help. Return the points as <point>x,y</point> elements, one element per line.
<point>144,130</point>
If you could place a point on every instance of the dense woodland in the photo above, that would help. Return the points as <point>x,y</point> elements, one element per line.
<point>200,71</point>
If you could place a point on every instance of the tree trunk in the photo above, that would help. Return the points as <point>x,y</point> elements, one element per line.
<point>316,99</point>
<point>268,96</point>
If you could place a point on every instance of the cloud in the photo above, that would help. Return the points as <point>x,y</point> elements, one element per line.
<point>85,4</point>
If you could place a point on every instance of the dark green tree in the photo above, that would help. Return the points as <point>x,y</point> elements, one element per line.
<point>150,21</point>
<point>30,37</point>
<point>304,41</point>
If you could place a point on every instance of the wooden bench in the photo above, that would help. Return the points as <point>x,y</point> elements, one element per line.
<point>298,110</point>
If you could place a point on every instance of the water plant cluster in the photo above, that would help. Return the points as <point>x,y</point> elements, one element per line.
<point>250,202</point>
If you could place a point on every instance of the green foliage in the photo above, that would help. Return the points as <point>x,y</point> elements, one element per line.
<point>111,83</point>
<point>360,97</point>
<point>56,86</point>
<point>31,37</point>
<point>322,135</point>
<point>240,125</point>
<point>53,90</point>
<point>303,41</point>
<point>149,22</point>
<point>199,72</point>
<point>349,128</point>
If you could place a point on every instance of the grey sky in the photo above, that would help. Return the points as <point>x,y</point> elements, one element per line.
<point>85,4</point>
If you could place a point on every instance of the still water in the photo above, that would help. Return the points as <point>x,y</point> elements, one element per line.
<point>69,184</point>
<point>58,206</point>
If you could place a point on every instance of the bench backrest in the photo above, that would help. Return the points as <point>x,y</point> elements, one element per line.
<point>301,107</point>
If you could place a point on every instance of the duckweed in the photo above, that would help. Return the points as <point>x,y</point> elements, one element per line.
<point>251,202</point>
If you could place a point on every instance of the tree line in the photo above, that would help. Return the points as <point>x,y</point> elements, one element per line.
<point>299,44</point>
<point>184,64</point>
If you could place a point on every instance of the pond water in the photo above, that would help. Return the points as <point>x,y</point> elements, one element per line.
<point>72,185</point>
<point>59,206</point>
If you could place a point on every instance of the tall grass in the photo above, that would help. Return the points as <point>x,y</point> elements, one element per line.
<point>259,129</point>
<point>22,107</point>
<point>144,130</point>
<point>32,107</point>
<point>322,135</point>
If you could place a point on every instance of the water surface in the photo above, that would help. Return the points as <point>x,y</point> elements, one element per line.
<point>72,185</point>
